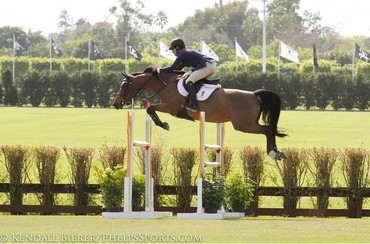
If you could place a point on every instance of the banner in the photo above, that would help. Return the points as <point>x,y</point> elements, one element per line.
<point>55,48</point>
<point>208,51</point>
<point>134,52</point>
<point>361,54</point>
<point>18,49</point>
<point>96,51</point>
<point>240,53</point>
<point>288,53</point>
<point>164,52</point>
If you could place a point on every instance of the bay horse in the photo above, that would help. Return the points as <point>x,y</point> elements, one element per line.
<point>242,108</point>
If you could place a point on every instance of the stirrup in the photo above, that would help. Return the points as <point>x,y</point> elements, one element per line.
<point>191,108</point>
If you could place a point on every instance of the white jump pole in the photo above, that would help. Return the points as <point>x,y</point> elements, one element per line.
<point>149,181</point>
<point>218,147</point>
<point>130,161</point>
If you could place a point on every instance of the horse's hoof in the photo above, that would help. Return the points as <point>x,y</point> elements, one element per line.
<point>165,126</point>
<point>276,155</point>
<point>282,155</point>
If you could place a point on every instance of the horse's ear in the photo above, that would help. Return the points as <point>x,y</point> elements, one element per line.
<point>126,76</point>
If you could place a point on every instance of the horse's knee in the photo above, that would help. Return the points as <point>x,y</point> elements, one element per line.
<point>150,109</point>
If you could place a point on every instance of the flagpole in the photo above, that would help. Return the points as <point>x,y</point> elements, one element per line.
<point>88,52</point>
<point>279,52</point>
<point>264,38</point>
<point>50,54</point>
<point>125,48</point>
<point>314,52</point>
<point>353,60</point>
<point>236,58</point>
<point>13,57</point>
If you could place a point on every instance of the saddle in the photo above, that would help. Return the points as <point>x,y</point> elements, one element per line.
<point>204,87</point>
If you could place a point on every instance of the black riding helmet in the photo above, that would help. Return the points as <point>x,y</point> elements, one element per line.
<point>177,42</point>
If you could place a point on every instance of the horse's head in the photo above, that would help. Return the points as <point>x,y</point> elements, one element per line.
<point>133,84</point>
<point>127,91</point>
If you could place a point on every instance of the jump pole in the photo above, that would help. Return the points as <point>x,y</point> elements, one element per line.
<point>149,181</point>
<point>218,147</point>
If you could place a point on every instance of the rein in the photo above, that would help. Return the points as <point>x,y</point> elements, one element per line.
<point>162,87</point>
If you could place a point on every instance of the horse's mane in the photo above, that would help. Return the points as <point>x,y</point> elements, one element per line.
<point>151,68</point>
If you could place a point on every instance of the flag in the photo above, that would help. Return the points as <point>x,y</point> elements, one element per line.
<point>163,51</point>
<point>208,51</point>
<point>288,53</point>
<point>18,49</point>
<point>95,51</point>
<point>361,54</point>
<point>239,52</point>
<point>315,63</point>
<point>55,48</point>
<point>134,52</point>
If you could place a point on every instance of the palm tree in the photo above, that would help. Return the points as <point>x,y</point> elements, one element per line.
<point>161,19</point>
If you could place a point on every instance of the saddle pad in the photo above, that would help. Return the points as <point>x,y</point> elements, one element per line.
<point>203,94</point>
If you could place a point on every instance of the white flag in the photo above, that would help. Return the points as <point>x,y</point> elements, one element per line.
<point>163,51</point>
<point>288,53</point>
<point>239,52</point>
<point>208,51</point>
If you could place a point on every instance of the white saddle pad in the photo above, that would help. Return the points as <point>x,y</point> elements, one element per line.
<point>205,91</point>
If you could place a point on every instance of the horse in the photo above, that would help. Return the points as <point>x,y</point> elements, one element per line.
<point>242,108</point>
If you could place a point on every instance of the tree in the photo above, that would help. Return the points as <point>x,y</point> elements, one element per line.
<point>6,39</point>
<point>130,20</point>
<point>283,20</point>
<point>161,19</point>
<point>252,27</point>
<point>65,20</point>
<point>38,44</point>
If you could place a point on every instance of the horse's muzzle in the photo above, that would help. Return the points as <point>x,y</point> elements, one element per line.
<point>118,105</point>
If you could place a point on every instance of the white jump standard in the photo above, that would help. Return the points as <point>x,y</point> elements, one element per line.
<point>149,182</point>
<point>219,148</point>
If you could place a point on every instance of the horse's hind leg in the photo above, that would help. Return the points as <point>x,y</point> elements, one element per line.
<point>256,128</point>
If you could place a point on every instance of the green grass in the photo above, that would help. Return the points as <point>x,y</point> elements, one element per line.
<point>74,127</point>
<point>261,229</point>
<point>80,127</point>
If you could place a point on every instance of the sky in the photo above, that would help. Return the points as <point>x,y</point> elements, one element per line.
<point>346,17</point>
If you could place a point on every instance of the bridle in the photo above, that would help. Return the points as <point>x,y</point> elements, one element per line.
<point>129,85</point>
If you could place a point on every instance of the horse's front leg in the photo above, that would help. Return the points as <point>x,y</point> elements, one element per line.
<point>151,110</point>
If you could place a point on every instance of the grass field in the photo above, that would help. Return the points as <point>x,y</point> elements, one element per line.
<point>91,229</point>
<point>82,127</point>
<point>79,127</point>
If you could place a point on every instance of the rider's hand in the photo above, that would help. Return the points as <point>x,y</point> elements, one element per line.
<point>155,72</point>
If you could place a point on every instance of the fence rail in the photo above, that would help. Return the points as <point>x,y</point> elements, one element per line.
<point>357,211</point>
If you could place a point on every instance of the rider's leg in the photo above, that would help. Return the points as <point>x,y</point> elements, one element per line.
<point>193,105</point>
<point>194,77</point>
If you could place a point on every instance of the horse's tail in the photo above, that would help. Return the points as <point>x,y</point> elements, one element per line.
<point>270,109</point>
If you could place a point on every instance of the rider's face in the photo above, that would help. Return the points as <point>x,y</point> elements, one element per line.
<point>174,51</point>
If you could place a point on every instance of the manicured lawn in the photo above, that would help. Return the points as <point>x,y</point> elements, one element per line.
<point>257,229</point>
<point>79,127</point>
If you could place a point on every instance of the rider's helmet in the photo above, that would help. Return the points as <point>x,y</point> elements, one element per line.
<point>177,42</point>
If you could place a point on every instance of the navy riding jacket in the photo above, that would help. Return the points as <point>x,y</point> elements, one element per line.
<point>188,58</point>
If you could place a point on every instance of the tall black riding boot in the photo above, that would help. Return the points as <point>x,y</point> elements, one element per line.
<point>193,105</point>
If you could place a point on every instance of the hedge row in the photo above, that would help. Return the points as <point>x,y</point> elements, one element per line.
<point>74,85</point>
<point>312,167</point>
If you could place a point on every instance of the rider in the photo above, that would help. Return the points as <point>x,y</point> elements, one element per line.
<point>202,67</point>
